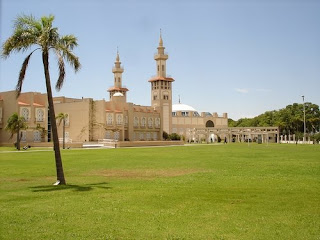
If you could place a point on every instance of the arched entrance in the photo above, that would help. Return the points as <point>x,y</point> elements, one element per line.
<point>209,123</point>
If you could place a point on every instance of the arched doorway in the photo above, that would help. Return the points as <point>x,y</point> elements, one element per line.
<point>209,123</point>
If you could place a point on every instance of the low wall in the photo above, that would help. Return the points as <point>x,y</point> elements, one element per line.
<point>148,143</point>
<point>112,145</point>
<point>43,144</point>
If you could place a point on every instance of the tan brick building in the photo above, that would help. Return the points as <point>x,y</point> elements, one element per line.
<point>91,120</point>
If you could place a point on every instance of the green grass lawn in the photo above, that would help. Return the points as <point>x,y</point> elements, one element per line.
<point>231,191</point>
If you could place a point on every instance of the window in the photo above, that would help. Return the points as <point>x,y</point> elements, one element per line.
<point>109,119</point>
<point>162,67</point>
<point>155,136</point>
<point>118,79</point>
<point>136,122</point>
<point>196,114</point>
<point>66,136</point>
<point>148,136</point>
<point>126,120</point>
<point>166,95</point>
<point>25,112</point>
<point>174,114</point>
<point>36,136</point>
<point>141,136</point>
<point>150,122</point>
<point>143,122</point>
<point>39,115</point>
<point>108,135</point>
<point>155,97</point>
<point>116,135</point>
<point>185,114</point>
<point>157,122</point>
<point>174,130</point>
<point>158,68</point>
<point>67,120</point>
<point>119,119</point>
<point>134,136</point>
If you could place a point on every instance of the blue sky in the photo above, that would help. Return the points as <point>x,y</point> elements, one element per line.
<point>242,57</point>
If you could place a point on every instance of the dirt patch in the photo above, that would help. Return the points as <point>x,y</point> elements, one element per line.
<point>145,174</point>
<point>22,180</point>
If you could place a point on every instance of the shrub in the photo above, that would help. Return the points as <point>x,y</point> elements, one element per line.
<point>174,136</point>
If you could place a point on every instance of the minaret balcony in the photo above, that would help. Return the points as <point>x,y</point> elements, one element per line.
<point>117,70</point>
<point>158,56</point>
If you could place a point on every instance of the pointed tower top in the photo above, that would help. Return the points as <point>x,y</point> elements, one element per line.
<point>118,58</point>
<point>160,42</point>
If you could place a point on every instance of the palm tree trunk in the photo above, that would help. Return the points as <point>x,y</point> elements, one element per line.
<point>59,167</point>
<point>64,132</point>
<point>18,139</point>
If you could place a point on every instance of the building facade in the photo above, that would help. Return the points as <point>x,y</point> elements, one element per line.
<point>117,119</point>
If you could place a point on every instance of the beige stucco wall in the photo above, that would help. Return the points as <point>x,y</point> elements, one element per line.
<point>78,127</point>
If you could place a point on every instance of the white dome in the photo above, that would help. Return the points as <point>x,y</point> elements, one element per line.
<point>118,94</point>
<point>182,108</point>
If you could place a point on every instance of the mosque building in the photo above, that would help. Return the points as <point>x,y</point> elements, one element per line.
<point>117,119</point>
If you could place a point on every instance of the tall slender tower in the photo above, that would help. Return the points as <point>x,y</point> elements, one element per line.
<point>161,88</point>
<point>117,71</point>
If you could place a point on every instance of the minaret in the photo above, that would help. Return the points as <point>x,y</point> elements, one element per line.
<point>161,88</point>
<point>117,71</point>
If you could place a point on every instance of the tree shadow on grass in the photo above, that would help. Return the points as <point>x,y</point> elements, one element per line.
<point>76,188</point>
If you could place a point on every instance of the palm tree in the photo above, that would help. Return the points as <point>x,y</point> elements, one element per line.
<point>62,118</point>
<point>14,125</point>
<point>29,32</point>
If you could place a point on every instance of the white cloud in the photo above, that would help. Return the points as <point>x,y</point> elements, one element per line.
<point>242,90</point>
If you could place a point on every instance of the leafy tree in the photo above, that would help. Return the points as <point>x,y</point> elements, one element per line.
<point>29,32</point>
<point>289,119</point>
<point>14,125</point>
<point>62,118</point>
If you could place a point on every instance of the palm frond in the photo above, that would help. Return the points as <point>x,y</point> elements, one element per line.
<point>69,41</point>
<point>71,58</point>
<point>26,33</point>
<point>22,74</point>
<point>62,72</point>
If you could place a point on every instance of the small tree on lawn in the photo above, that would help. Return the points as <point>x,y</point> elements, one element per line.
<point>14,125</point>
<point>62,118</point>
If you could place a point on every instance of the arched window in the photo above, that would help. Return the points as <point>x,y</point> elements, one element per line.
<point>25,113</point>
<point>40,115</point>
<point>209,123</point>
<point>143,122</point>
<point>37,136</point>
<point>119,119</point>
<point>116,135</point>
<point>109,119</point>
<point>136,122</point>
<point>150,122</point>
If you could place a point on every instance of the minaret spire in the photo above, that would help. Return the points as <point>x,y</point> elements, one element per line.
<point>118,58</point>
<point>160,42</point>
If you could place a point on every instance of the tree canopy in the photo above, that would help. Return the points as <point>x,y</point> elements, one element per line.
<point>289,119</point>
